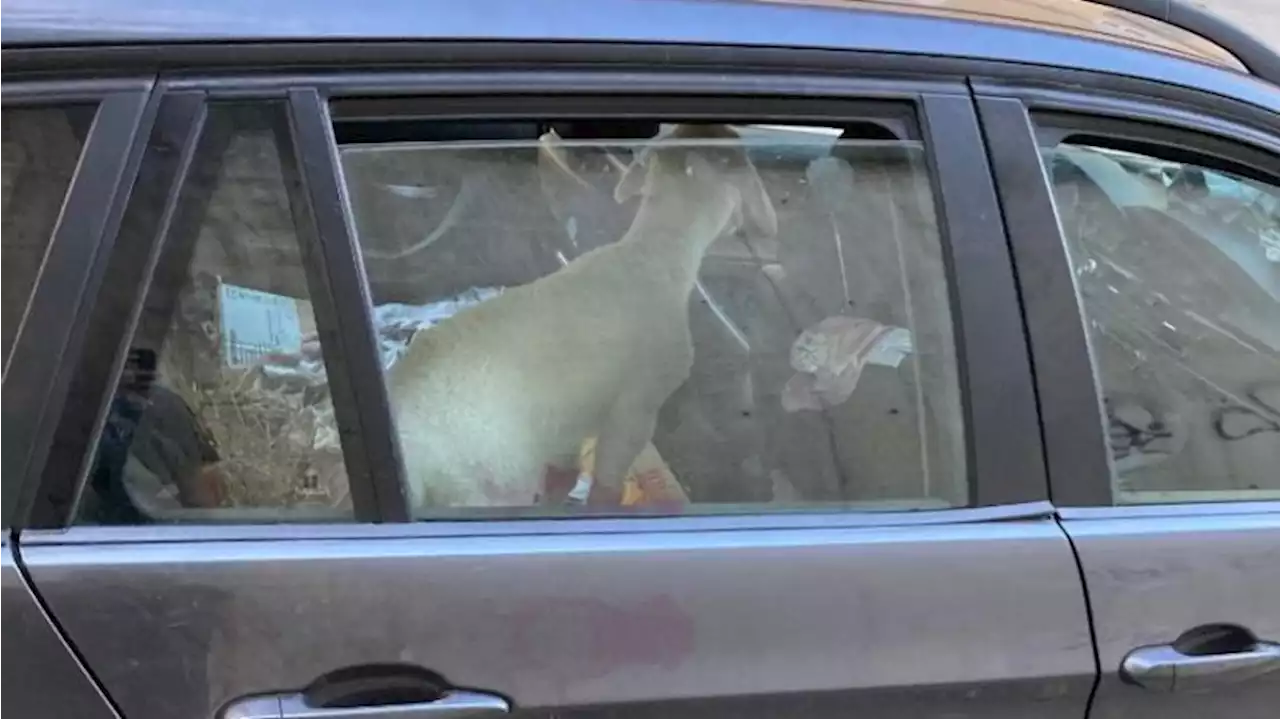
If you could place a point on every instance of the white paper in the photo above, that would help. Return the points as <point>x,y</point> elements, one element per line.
<point>255,324</point>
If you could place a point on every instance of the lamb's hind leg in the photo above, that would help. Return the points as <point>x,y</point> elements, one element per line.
<point>626,430</point>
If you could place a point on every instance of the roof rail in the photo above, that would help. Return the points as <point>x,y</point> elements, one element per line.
<point>1260,60</point>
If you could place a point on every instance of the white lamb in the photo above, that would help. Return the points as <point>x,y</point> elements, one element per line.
<point>486,400</point>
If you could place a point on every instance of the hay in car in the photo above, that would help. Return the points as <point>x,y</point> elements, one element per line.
<point>276,448</point>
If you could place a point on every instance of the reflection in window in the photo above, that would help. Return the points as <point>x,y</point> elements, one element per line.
<point>1178,267</point>
<point>222,412</point>
<point>41,150</point>
<point>730,318</point>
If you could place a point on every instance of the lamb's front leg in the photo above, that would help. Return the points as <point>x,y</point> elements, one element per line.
<point>625,432</point>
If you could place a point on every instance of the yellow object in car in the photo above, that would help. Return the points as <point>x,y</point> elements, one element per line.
<point>649,482</point>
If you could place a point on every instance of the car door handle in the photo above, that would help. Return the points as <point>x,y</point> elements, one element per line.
<point>1166,668</point>
<point>454,704</point>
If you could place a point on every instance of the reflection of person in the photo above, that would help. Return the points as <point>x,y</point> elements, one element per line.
<point>154,452</point>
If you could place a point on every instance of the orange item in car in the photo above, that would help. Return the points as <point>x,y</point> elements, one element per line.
<point>650,483</point>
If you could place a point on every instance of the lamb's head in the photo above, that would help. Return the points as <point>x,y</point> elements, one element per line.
<point>698,154</point>
<point>680,163</point>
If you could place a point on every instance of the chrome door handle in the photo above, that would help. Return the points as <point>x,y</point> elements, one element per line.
<point>1164,668</point>
<point>453,704</point>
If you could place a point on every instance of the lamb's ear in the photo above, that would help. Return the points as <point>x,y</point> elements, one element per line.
<point>552,159</point>
<point>636,175</point>
<point>758,214</point>
<point>631,184</point>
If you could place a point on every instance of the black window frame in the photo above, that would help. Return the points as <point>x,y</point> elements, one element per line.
<point>36,383</point>
<point>180,132</point>
<point>1003,443</point>
<point>1018,119</point>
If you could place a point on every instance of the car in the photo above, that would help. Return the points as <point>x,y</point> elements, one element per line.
<point>681,358</point>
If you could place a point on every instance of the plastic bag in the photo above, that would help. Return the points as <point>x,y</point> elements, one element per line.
<point>830,356</point>
<point>395,323</point>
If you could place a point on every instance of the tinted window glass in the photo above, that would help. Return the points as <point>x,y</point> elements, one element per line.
<point>41,149</point>
<point>1178,268</point>
<point>222,412</point>
<point>677,318</point>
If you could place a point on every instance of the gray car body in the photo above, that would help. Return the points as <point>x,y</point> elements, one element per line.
<point>1022,606</point>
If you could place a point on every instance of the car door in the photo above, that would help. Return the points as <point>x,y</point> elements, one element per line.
<point>58,139</point>
<point>860,525</point>
<point>1161,418</point>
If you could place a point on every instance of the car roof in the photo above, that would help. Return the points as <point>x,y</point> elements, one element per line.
<point>1084,18</point>
<point>1193,49</point>
<point>126,21</point>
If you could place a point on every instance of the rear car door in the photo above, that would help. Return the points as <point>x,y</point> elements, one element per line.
<point>60,139</point>
<point>1161,407</point>
<point>843,508</point>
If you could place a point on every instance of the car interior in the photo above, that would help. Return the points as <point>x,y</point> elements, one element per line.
<point>445,210</point>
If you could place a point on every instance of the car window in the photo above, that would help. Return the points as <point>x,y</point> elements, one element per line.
<point>1178,270</point>
<point>42,147</point>
<point>673,317</point>
<point>221,410</point>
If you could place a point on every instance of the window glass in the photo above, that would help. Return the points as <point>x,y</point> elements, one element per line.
<point>41,149</point>
<point>222,412</point>
<point>1178,268</point>
<point>660,317</point>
